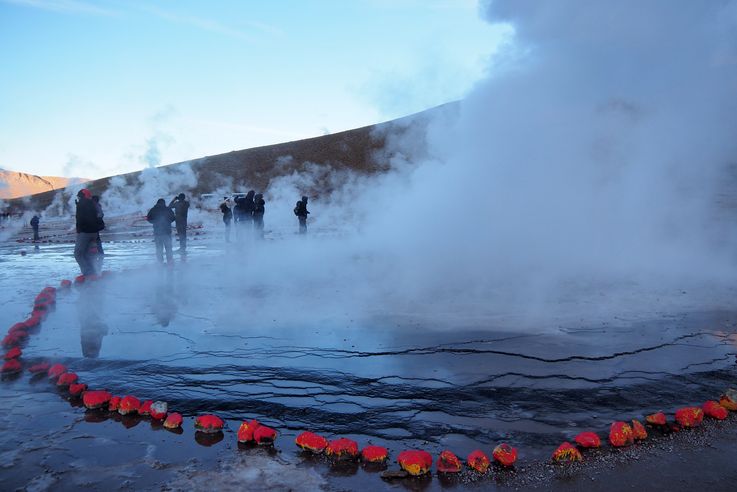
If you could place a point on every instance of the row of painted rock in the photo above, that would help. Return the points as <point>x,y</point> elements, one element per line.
<point>19,333</point>
<point>622,434</point>
<point>414,462</point>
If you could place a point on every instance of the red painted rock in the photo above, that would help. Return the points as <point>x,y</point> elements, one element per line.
<point>40,367</point>
<point>56,370</point>
<point>714,410</point>
<point>656,419</point>
<point>342,448</point>
<point>567,453</point>
<point>448,463</point>
<point>113,404</point>
<point>374,454</point>
<point>96,399</point>
<point>209,424</point>
<point>729,400</point>
<point>65,284</point>
<point>173,421</point>
<point>77,389</point>
<point>638,431</point>
<point>79,279</point>
<point>66,379</point>
<point>17,327</point>
<point>415,462</point>
<point>620,435</point>
<point>478,461</point>
<point>246,430</point>
<point>145,408</point>
<point>311,442</point>
<point>129,404</point>
<point>15,338</point>
<point>689,416</point>
<point>264,435</point>
<point>504,454</point>
<point>33,321</point>
<point>588,440</point>
<point>13,353</point>
<point>158,410</point>
<point>11,366</point>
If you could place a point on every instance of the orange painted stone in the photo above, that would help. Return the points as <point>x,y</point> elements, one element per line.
<point>714,410</point>
<point>66,379</point>
<point>209,424</point>
<point>311,442</point>
<point>415,462</point>
<point>77,389</point>
<point>504,454</point>
<point>567,453</point>
<point>96,399</point>
<point>158,410</point>
<point>145,408</point>
<point>588,440</point>
<point>264,435</point>
<point>478,461</point>
<point>113,404</point>
<point>39,368</point>
<point>246,430</point>
<point>342,448</point>
<point>620,435</point>
<point>729,400</point>
<point>129,404</point>
<point>56,370</point>
<point>638,431</point>
<point>448,463</point>
<point>656,419</point>
<point>689,416</point>
<point>13,353</point>
<point>173,421</point>
<point>374,454</point>
<point>11,366</point>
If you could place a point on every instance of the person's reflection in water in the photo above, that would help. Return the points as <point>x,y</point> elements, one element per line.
<point>164,306</point>
<point>92,328</point>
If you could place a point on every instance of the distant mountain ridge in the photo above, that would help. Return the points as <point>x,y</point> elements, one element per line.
<point>15,184</point>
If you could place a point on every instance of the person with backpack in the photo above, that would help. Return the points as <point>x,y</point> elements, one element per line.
<point>259,209</point>
<point>300,210</point>
<point>227,217</point>
<point>89,226</point>
<point>161,217</point>
<point>181,206</point>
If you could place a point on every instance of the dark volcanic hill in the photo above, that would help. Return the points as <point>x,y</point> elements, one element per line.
<point>364,150</point>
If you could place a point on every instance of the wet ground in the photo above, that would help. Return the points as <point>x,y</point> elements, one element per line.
<point>222,333</point>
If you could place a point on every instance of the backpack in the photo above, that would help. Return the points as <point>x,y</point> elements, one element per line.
<point>296,208</point>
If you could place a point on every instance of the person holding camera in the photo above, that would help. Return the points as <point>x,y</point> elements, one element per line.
<point>180,206</point>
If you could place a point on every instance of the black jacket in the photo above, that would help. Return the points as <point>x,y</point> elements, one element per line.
<point>87,219</point>
<point>161,217</point>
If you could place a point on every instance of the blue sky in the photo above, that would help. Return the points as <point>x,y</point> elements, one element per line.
<point>98,88</point>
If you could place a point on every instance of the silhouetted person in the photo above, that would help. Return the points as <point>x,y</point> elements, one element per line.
<point>227,217</point>
<point>181,206</point>
<point>161,217</point>
<point>300,210</point>
<point>243,214</point>
<point>99,254</point>
<point>259,209</point>
<point>88,228</point>
<point>34,224</point>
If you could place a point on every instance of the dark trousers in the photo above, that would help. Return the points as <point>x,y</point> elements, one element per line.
<point>35,233</point>
<point>302,225</point>
<point>182,233</point>
<point>163,241</point>
<point>227,230</point>
<point>82,252</point>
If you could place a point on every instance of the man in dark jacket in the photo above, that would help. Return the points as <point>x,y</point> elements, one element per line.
<point>300,210</point>
<point>181,206</point>
<point>259,209</point>
<point>227,217</point>
<point>88,227</point>
<point>161,217</point>
<point>34,224</point>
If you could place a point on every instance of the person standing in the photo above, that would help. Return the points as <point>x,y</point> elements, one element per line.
<point>300,210</point>
<point>181,206</point>
<point>34,224</point>
<point>98,255</point>
<point>259,209</point>
<point>88,228</point>
<point>161,217</point>
<point>227,217</point>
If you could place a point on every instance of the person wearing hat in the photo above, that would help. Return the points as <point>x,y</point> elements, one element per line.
<point>181,206</point>
<point>161,217</point>
<point>89,226</point>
